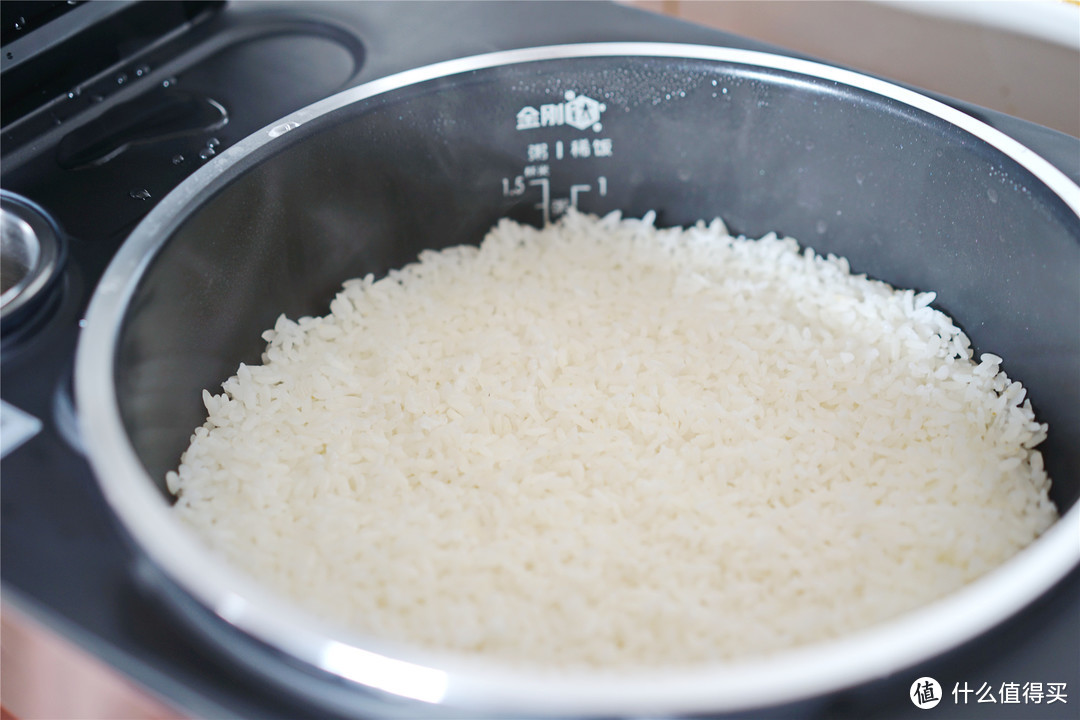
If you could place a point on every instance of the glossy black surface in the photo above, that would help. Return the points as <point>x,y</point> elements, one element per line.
<point>905,197</point>
<point>61,555</point>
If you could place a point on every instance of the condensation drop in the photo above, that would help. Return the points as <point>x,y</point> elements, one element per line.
<point>283,128</point>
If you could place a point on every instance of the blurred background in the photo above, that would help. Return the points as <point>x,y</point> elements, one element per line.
<point>1017,57</point>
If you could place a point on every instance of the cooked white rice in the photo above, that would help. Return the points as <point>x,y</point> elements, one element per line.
<point>603,444</point>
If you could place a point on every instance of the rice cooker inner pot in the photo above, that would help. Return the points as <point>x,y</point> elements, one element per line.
<point>361,185</point>
<point>907,198</point>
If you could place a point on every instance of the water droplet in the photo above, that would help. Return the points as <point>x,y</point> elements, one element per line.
<point>821,227</point>
<point>82,322</point>
<point>723,91</point>
<point>177,159</point>
<point>142,70</point>
<point>714,83</point>
<point>860,178</point>
<point>761,172</point>
<point>121,78</point>
<point>168,82</point>
<point>283,128</point>
<point>74,93</point>
<point>207,153</point>
<point>20,23</point>
<point>992,194</point>
<point>213,142</point>
<point>142,194</point>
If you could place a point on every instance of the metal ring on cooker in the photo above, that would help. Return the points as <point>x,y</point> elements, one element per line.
<point>807,672</point>
<point>32,255</point>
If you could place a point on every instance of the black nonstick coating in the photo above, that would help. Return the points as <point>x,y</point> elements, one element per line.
<point>907,197</point>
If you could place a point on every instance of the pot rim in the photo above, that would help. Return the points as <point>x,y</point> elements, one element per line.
<point>443,678</point>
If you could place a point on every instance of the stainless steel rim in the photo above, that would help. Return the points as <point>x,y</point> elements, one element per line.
<point>30,234</point>
<point>438,678</point>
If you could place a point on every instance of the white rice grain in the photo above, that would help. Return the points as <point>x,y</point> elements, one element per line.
<point>606,444</point>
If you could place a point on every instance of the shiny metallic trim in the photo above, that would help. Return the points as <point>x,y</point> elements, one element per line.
<point>452,680</point>
<point>39,235</point>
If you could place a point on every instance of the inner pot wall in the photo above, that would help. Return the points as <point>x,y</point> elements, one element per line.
<point>907,197</point>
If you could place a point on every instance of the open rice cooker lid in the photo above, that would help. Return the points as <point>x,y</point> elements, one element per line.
<point>450,682</point>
